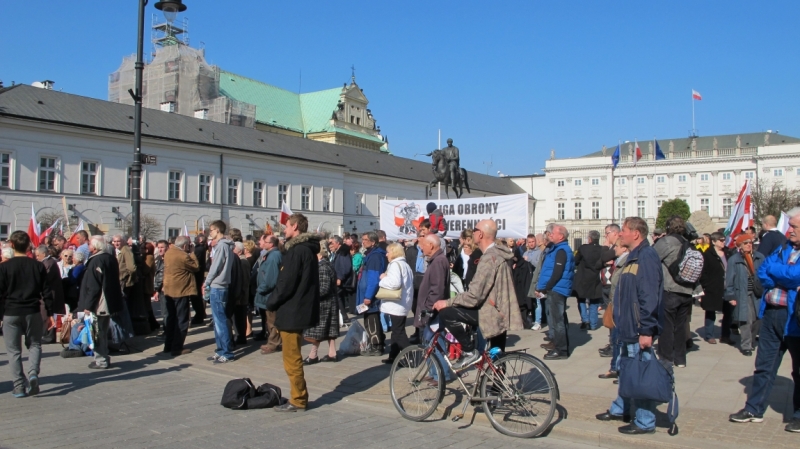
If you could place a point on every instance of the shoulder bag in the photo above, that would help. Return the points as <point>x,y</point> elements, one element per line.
<point>386,294</point>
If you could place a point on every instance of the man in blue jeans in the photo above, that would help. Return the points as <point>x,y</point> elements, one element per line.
<point>780,329</point>
<point>555,281</point>
<point>637,301</point>
<point>217,282</point>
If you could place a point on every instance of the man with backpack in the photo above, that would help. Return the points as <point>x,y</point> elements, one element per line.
<point>675,253</point>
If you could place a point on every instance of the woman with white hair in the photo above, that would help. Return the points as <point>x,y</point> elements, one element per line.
<point>398,276</point>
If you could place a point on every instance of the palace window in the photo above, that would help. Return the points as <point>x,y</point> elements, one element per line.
<point>47,174</point>
<point>258,194</point>
<point>233,191</point>
<point>749,175</point>
<point>560,183</point>
<point>595,210</point>
<point>205,188</point>
<point>640,180</point>
<point>560,211</point>
<point>578,211</point>
<point>621,212</point>
<point>777,172</point>
<point>595,181</point>
<point>88,178</point>
<point>704,176</point>
<point>641,209</point>
<point>621,181</point>
<point>727,176</point>
<point>305,198</point>
<point>727,207</point>
<point>359,203</point>
<point>327,199</point>
<point>661,179</point>
<point>283,194</point>
<point>577,182</point>
<point>5,170</point>
<point>175,185</point>
<point>705,204</point>
<point>681,178</point>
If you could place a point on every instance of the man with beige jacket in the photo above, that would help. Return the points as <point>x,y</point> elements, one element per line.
<point>490,300</point>
<point>180,264</point>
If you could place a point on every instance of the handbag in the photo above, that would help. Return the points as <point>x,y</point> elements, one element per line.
<point>645,379</point>
<point>386,294</point>
<point>608,316</point>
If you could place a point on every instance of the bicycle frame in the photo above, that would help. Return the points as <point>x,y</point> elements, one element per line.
<point>483,367</point>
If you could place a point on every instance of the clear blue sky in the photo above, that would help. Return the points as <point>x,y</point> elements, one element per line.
<point>507,82</point>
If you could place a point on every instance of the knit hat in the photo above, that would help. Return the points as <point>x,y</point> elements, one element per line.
<point>741,238</point>
<point>430,207</point>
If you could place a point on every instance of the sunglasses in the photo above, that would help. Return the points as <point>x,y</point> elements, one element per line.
<point>749,242</point>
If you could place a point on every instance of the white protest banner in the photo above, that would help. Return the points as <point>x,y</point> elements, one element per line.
<point>401,218</point>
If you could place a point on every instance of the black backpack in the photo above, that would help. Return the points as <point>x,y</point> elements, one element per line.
<point>240,394</point>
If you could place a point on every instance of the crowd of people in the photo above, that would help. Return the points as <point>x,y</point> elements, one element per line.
<point>308,287</point>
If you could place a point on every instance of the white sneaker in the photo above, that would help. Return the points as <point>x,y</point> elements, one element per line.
<point>467,359</point>
<point>536,326</point>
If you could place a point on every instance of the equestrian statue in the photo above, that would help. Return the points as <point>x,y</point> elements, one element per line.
<point>447,170</point>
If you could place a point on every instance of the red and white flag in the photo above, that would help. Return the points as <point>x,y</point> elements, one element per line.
<point>73,239</point>
<point>49,230</point>
<point>696,95</point>
<point>33,228</point>
<point>741,216</point>
<point>637,153</point>
<point>783,224</point>
<point>285,213</point>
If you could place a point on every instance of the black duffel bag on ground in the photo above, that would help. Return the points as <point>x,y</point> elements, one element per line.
<point>241,394</point>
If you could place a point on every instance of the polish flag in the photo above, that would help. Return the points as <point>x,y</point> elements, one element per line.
<point>49,230</point>
<point>33,228</point>
<point>783,224</point>
<point>741,216</point>
<point>285,213</point>
<point>637,154</point>
<point>73,239</point>
<point>696,95</point>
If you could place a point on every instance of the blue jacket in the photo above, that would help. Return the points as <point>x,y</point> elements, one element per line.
<point>369,276</point>
<point>776,272</point>
<point>637,299</point>
<point>268,272</point>
<point>564,285</point>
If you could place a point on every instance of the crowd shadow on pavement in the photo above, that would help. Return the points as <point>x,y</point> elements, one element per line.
<point>777,401</point>
<point>65,383</point>
<point>352,384</point>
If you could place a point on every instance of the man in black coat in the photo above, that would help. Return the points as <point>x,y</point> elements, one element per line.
<point>200,250</point>
<point>772,239</point>
<point>101,295</point>
<point>296,303</point>
<point>587,281</point>
<point>343,268</point>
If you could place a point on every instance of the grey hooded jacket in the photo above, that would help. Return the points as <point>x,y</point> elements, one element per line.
<point>222,258</point>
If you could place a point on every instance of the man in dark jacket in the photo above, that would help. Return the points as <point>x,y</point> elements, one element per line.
<point>101,295</point>
<point>343,267</point>
<point>772,239</point>
<point>296,303</point>
<point>637,302</point>
<point>434,287</point>
<point>419,263</point>
<point>587,281</point>
<point>199,306</point>
<point>53,280</point>
<point>23,284</point>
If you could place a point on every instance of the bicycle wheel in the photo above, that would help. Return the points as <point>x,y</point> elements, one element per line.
<point>526,395</point>
<point>412,396</point>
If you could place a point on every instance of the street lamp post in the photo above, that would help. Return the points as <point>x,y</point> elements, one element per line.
<point>170,8</point>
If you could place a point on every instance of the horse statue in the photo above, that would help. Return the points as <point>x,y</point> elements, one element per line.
<point>441,173</point>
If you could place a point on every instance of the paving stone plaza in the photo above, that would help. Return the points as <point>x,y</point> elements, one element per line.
<point>147,400</point>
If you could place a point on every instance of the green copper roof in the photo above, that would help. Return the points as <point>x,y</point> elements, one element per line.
<point>274,106</point>
<point>317,109</point>
<point>305,113</point>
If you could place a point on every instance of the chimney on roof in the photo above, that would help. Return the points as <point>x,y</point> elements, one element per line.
<point>46,84</point>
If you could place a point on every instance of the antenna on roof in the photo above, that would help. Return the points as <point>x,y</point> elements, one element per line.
<point>488,164</point>
<point>353,73</point>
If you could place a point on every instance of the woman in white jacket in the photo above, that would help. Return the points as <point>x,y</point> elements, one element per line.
<point>398,276</point>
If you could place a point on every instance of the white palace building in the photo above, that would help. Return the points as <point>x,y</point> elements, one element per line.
<point>584,193</point>
<point>60,152</point>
